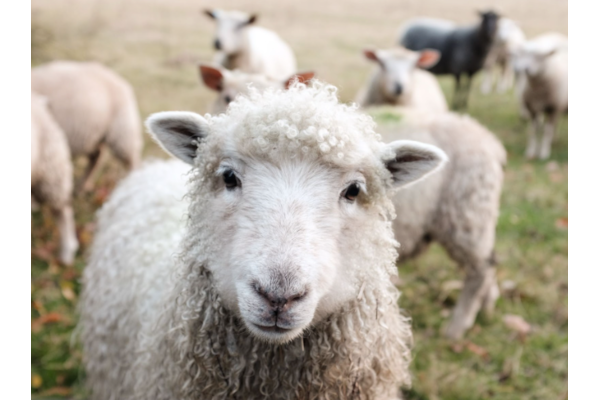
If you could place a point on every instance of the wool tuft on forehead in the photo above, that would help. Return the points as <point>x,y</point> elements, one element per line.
<point>299,121</point>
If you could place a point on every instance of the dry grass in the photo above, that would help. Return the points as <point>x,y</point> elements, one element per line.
<point>156,46</point>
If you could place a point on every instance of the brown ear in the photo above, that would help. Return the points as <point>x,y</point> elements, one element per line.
<point>212,77</point>
<point>301,77</point>
<point>210,13</point>
<point>370,55</point>
<point>252,19</point>
<point>428,58</point>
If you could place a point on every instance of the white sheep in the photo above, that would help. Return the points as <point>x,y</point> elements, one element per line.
<point>457,207</point>
<point>94,107</point>
<point>400,80</point>
<point>252,49</point>
<point>544,63</point>
<point>509,37</point>
<point>52,174</point>
<point>280,285</point>
<point>231,83</point>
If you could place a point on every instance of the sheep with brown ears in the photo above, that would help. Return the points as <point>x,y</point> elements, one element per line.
<point>275,282</point>
<point>252,49</point>
<point>229,84</point>
<point>399,80</point>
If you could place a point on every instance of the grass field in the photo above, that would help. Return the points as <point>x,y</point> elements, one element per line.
<point>156,46</point>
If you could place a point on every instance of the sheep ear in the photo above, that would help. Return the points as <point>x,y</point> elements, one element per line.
<point>370,55</point>
<point>178,132</point>
<point>301,77</point>
<point>428,58</point>
<point>410,161</point>
<point>211,13</point>
<point>252,19</point>
<point>212,77</point>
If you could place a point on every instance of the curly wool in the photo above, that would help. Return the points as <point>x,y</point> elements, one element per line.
<point>193,347</point>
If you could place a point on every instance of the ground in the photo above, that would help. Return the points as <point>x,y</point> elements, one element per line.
<point>157,45</point>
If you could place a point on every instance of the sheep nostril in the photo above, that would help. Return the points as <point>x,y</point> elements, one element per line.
<point>217,44</point>
<point>397,89</point>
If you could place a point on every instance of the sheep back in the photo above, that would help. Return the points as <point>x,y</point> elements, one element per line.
<point>92,104</point>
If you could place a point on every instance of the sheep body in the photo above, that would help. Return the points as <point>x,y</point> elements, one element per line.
<point>163,327</point>
<point>250,48</point>
<point>508,38</point>
<point>544,63</point>
<point>417,88</point>
<point>52,173</point>
<point>463,49</point>
<point>458,207</point>
<point>93,106</point>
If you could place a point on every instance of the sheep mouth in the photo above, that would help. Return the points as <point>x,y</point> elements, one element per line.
<point>272,329</point>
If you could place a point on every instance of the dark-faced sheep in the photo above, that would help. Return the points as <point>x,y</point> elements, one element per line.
<point>463,49</point>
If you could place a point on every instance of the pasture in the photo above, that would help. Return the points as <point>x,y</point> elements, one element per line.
<point>157,45</point>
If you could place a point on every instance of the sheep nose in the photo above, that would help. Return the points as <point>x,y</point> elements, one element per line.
<point>397,89</point>
<point>217,44</point>
<point>279,303</point>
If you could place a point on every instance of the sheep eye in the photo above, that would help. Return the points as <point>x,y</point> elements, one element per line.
<point>351,192</point>
<point>231,181</point>
<point>227,99</point>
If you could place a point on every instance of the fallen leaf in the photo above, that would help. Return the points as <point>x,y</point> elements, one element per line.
<point>36,381</point>
<point>56,391</point>
<point>517,324</point>
<point>562,223</point>
<point>478,350</point>
<point>49,318</point>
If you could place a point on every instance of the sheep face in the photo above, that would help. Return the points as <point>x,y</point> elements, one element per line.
<point>397,68</point>
<point>488,25</point>
<point>284,220</point>
<point>230,27</point>
<point>229,84</point>
<point>531,59</point>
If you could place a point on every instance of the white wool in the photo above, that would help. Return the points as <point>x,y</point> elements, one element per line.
<point>251,48</point>
<point>163,327</point>
<point>52,173</point>
<point>93,106</point>
<point>398,66</point>
<point>544,63</point>
<point>457,207</point>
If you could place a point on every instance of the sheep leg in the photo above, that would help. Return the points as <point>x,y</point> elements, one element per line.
<point>489,302</point>
<point>532,134</point>
<point>488,77</point>
<point>506,79</point>
<point>87,182</point>
<point>68,237</point>
<point>455,98</point>
<point>476,287</point>
<point>549,129</point>
<point>467,91</point>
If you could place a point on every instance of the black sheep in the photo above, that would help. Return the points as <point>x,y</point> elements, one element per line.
<point>463,49</point>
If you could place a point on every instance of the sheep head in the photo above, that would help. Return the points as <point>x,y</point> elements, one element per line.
<point>289,202</point>
<point>230,27</point>
<point>397,66</point>
<point>231,83</point>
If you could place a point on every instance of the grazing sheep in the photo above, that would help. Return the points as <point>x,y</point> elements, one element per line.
<point>463,49</point>
<point>249,48</point>
<point>280,288</point>
<point>457,207</point>
<point>52,174</point>
<point>231,83</point>
<point>544,63</point>
<point>94,107</point>
<point>508,38</point>
<point>399,80</point>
